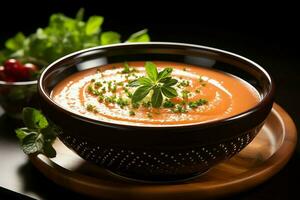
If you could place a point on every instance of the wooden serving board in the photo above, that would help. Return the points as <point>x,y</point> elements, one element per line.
<point>260,160</point>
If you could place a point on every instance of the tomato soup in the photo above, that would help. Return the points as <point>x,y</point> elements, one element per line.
<point>165,93</point>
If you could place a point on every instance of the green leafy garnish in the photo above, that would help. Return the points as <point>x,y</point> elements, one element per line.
<point>140,36</point>
<point>62,36</point>
<point>160,83</point>
<point>39,133</point>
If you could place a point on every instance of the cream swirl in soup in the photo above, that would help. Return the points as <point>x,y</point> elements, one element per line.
<point>197,95</point>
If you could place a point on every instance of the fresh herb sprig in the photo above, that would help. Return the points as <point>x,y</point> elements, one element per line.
<point>63,35</point>
<point>39,133</point>
<point>160,83</point>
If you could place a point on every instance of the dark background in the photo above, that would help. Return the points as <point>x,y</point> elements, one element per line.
<point>267,34</point>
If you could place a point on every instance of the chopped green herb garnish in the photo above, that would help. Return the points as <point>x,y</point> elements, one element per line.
<point>101,98</point>
<point>197,90</point>
<point>146,104</point>
<point>126,68</point>
<point>122,102</point>
<point>135,105</point>
<point>93,80</point>
<point>179,109</point>
<point>109,85</point>
<point>131,113</point>
<point>98,84</point>
<point>168,104</point>
<point>149,115</point>
<point>193,105</point>
<point>185,94</point>
<point>114,89</point>
<point>200,79</point>
<point>184,83</point>
<point>90,88</point>
<point>111,99</point>
<point>120,83</point>
<point>91,108</point>
<point>196,104</point>
<point>201,102</point>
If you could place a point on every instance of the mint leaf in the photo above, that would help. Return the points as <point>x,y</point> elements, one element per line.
<point>169,91</point>
<point>23,132</point>
<point>170,82</point>
<point>32,143</point>
<point>50,132</point>
<point>80,14</point>
<point>62,36</point>
<point>140,93</point>
<point>151,70</point>
<point>48,150</point>
<point>165,73</point>
<point>110,37</point>
<point>144,81</point>
<point>154,81</point>
<point>34,119</point>
<point>16,43</point>
<point>134,83</point>
<point>157,98</point>
<point>39,135</point>
<point>93,25</point>
<point>140,36</point>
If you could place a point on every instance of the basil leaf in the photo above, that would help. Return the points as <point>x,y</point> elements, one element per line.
<point>34,119</point>
<point>110,37</point>
<point>80,14</point>
<point>93,25</point>
<point>140,93</point>
<point>165,73</point>
<point>151,70</point>
<point>32,143</point>
<point>157,98</point>
<point>170,82</point>
<point>145,81</point>
<point>169,92</point>
<point>140,36</point>
<point>134,83</point>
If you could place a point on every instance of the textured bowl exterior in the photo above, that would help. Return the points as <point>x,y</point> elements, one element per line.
<point>157,153</point>
<point>158,164</point>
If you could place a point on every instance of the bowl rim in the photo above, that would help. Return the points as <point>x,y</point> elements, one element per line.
<point>19,83</point>
<point>265,101</point>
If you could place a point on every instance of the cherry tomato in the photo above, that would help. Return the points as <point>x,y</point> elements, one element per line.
<point>2,73</point>
<point>4,76</point>
<point>31,67</point>
<point>14,69</point>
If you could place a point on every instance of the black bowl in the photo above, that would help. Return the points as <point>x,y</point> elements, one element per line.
<point>166,153</point>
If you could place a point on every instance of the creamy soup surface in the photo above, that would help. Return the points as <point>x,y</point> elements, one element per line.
<point>202,95</point>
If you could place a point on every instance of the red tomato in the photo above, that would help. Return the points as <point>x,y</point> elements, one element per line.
<point>31,67</point>
<point>14,69</point>
<point>4,77</point>
<point>2,73</point>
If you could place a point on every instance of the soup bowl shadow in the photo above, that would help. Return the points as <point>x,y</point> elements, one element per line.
<point>157,153</point>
